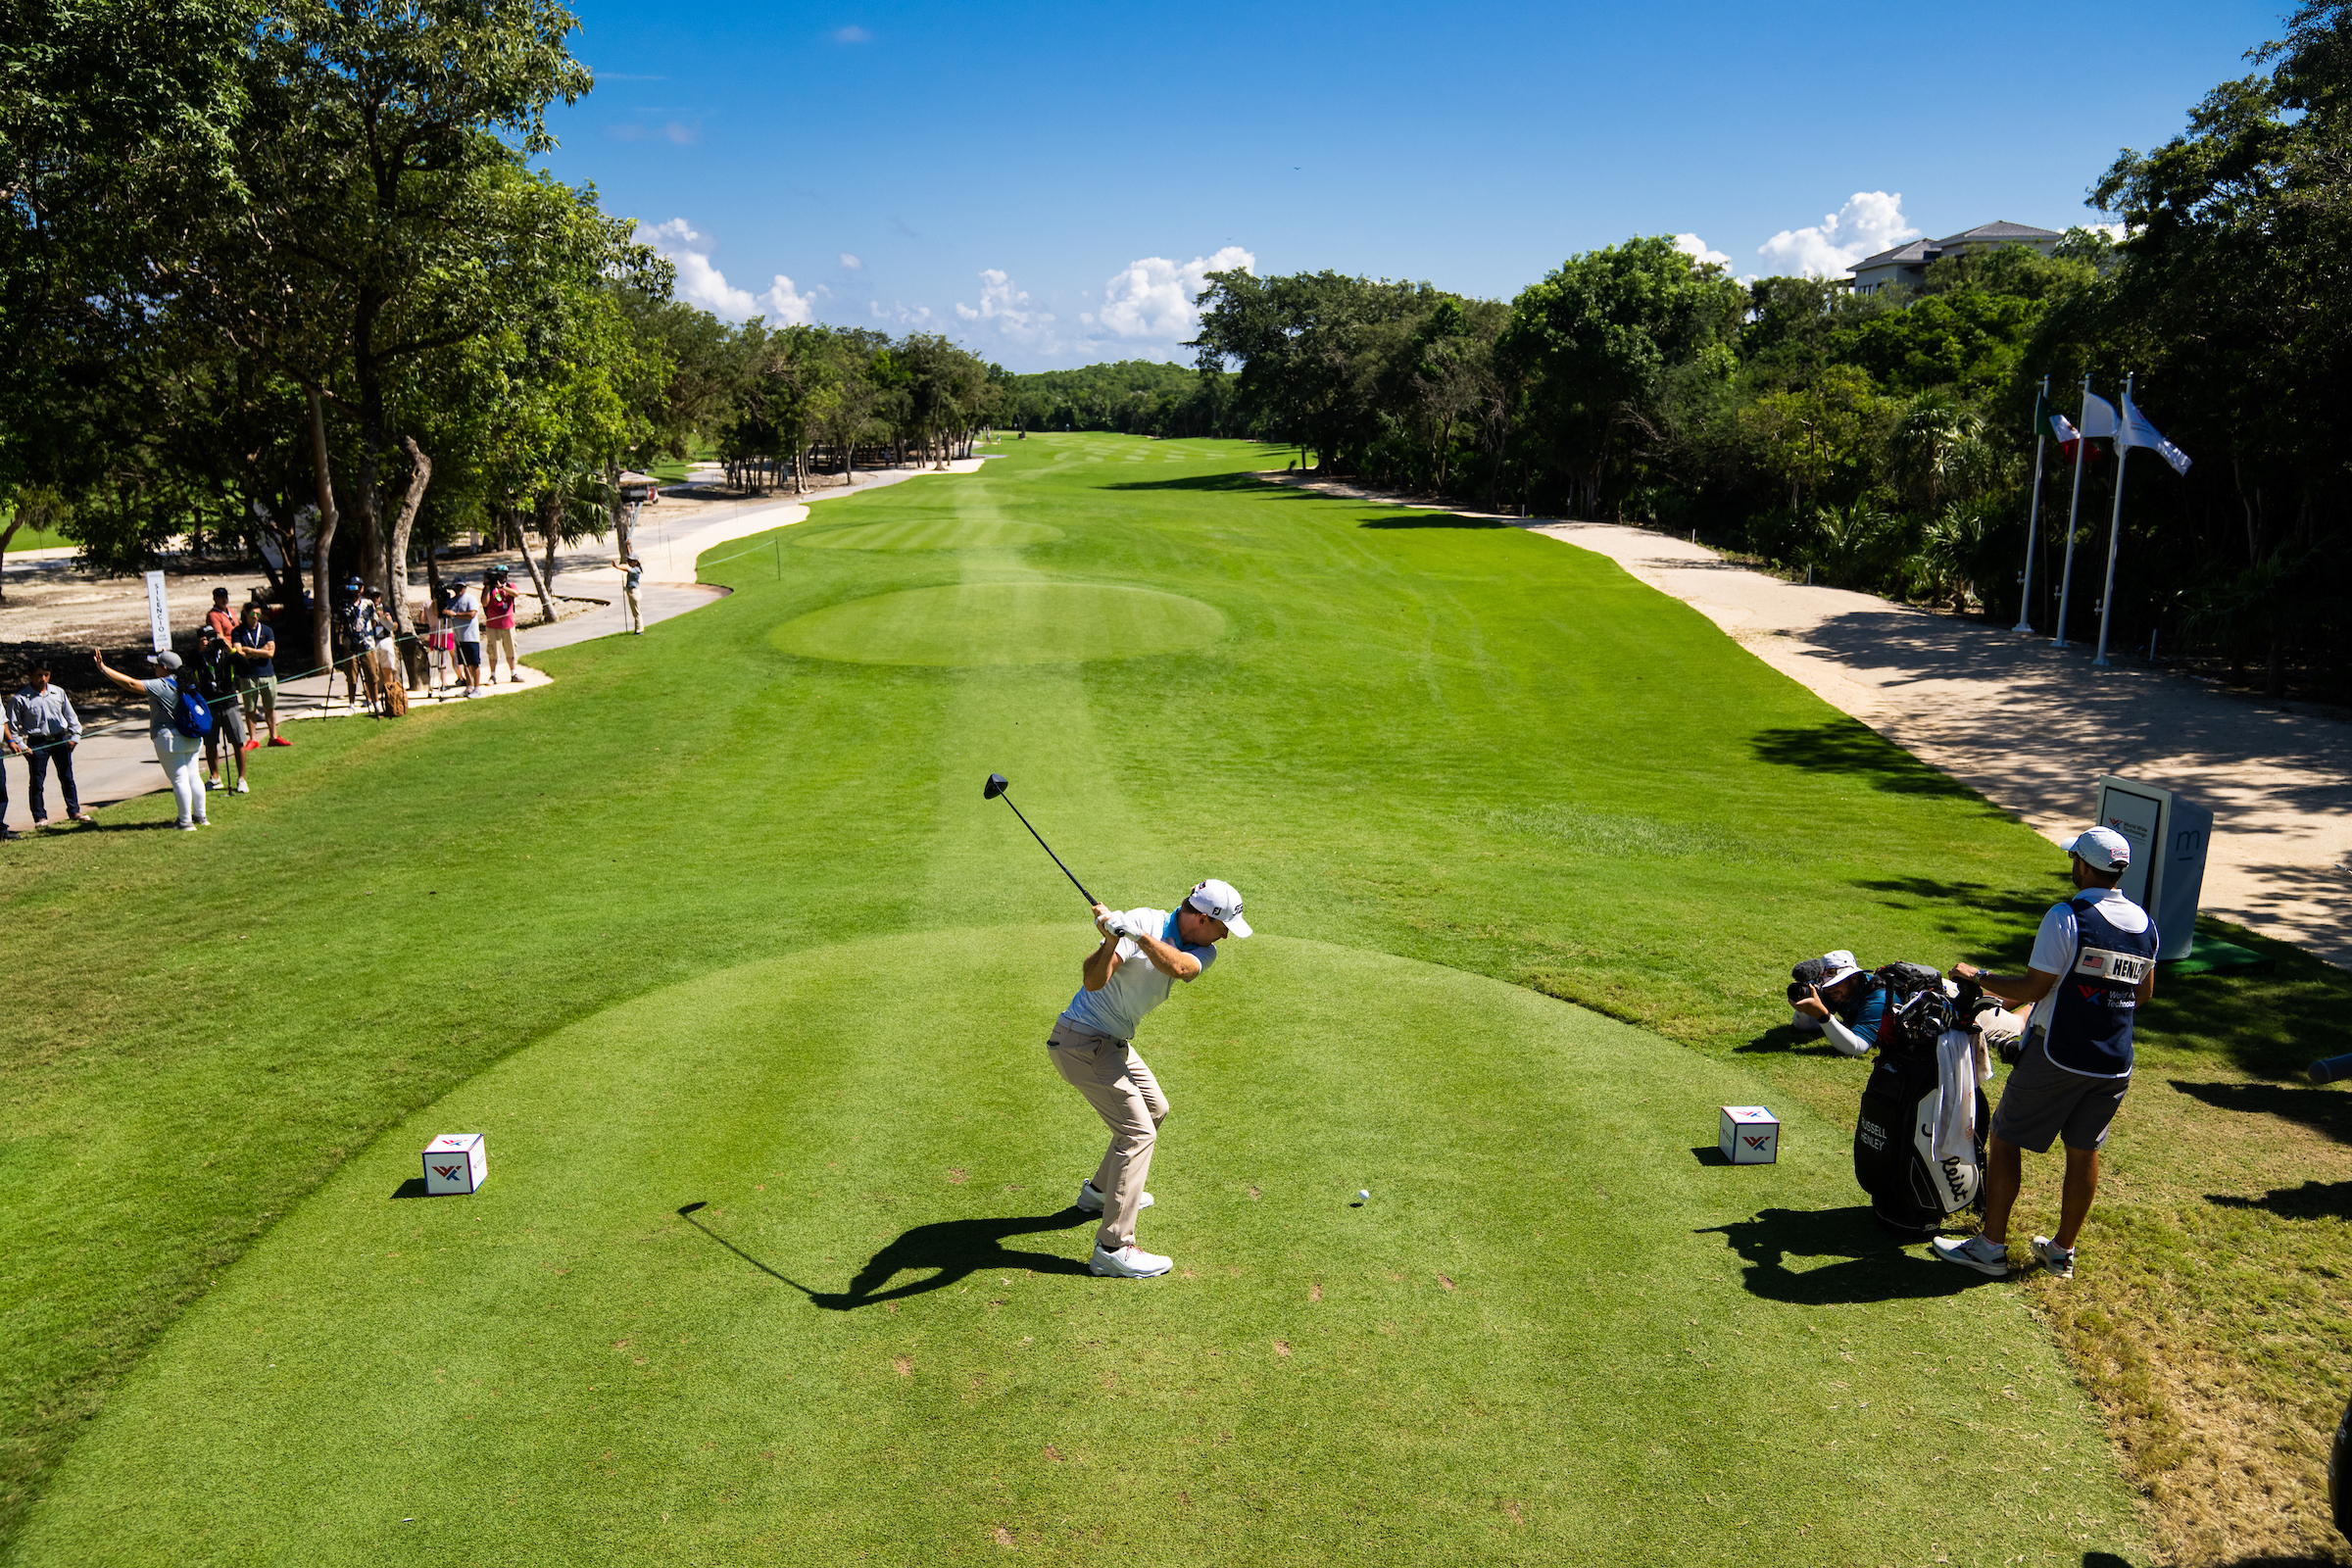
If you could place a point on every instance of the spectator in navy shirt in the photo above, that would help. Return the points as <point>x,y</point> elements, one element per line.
<point>1848,1007</point>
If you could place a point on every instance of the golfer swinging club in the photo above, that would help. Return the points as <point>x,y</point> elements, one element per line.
<point>1142,955</point>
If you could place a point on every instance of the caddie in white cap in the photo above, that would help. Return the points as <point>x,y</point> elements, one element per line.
<point>2094,968</point>
<point>1142,954</point>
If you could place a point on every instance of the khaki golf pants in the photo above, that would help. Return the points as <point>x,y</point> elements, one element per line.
<point>1112,1077</point>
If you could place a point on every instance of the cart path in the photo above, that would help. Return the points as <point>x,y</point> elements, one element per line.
<point>2031,726</point>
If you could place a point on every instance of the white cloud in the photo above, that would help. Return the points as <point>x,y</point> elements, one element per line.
<point>1153,297</point>
<point>786,308</point>
<point>1006,308</point>
<point>2114,231</point>
<point>852,35</point>
<point>1692,246</point>
<point>852,263</point>
<point>1870,221</point>
<point>700,283</point>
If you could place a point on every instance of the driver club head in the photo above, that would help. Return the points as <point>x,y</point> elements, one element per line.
<point>998,783</point>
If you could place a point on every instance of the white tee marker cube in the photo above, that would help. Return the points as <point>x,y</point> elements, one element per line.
<point>1750,1135</point>
<point>456,1162</point>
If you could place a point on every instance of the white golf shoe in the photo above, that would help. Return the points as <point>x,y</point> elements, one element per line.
<point>1090,1198</point>
<point>1129,1263</point>
<point>1975,1251</point>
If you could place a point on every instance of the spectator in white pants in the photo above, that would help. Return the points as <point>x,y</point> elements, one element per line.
<point>176,752</point>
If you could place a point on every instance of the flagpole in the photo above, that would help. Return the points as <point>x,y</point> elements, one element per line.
<point>2024,595</point>
<point>2115,529</point>
<point>2066,584</point>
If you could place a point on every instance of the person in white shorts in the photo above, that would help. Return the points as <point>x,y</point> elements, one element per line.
<point>1142,954</point>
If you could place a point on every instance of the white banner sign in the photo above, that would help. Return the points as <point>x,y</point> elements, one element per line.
<point>158,622</point>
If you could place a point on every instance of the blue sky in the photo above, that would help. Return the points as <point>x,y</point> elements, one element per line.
<point>1047,182</point>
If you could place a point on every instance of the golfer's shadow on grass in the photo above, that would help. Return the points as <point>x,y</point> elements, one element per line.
<point>953,1249</point>
<point>1871,1266</point>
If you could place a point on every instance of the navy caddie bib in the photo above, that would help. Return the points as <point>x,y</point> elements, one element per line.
<point>2090,1026</point>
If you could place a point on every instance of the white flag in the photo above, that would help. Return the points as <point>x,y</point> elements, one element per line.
<point>2098,418</point>
<point>2135,430</point>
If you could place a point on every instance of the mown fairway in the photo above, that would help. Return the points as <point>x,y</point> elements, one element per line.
<point>733,892</point>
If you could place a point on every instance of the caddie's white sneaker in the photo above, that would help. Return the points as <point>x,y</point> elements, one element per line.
<point>1129,1263</point>
<point>2059,1261</point>
<point>1090,1198</point>
<point>241,789</point>
<point>1974,1252</point>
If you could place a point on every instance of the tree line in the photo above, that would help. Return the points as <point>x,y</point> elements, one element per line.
<point>1886,441</point>
<point>277,270</point>
<point>277,274</point>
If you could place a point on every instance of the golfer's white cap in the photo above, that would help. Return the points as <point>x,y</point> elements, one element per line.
<point>2102,849</point>
<point>1219,902</point>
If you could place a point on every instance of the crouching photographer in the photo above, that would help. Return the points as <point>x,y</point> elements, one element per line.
<point>1808,975</point>
<point>1833,994</point>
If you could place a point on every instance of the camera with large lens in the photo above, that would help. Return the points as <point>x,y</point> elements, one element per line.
<point>1805,977</point>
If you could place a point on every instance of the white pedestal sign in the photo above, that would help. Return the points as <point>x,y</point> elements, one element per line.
<point>2169,836</point>
<point>158,620</point>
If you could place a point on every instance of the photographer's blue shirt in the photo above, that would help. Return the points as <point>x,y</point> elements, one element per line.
<point>1137,985</point>
<point>1869,1015</point>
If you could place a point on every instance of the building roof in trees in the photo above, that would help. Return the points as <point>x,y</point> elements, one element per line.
<point>1919,252</point>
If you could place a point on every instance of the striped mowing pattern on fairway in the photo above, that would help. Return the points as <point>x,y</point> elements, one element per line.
<point>931,533</point>
<point>1434,737</point>
<point>1021,622</point>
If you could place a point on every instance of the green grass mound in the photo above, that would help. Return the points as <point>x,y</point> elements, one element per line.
<point>933,534</point>
<point>1025,622</point>
<point>1554,1334</point>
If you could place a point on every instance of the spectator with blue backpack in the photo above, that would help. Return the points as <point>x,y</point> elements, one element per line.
<point>178,721</point>
<point>2093,969</point>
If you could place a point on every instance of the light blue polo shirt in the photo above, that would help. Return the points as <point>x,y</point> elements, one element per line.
<point>1135,986</point>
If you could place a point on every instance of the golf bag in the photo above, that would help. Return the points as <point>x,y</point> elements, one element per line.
<point>1919,1142</point>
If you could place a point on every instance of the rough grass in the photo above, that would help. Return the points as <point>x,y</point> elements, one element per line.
<point>1464,746</point>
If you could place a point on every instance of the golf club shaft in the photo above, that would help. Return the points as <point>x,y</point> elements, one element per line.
<point>1048,849</point>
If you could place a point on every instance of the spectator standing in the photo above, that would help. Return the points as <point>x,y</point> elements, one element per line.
<point>498,626</point>
<point>255,648</point>
<point>632,573</point>
<point>355,636</point>
<point>176,752</point>
<point>45,723</point>
<point>465,619</point>
<point>391,681</point>
<point>216,679</point>
<point>9,746</point>
<point>220,617</point>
